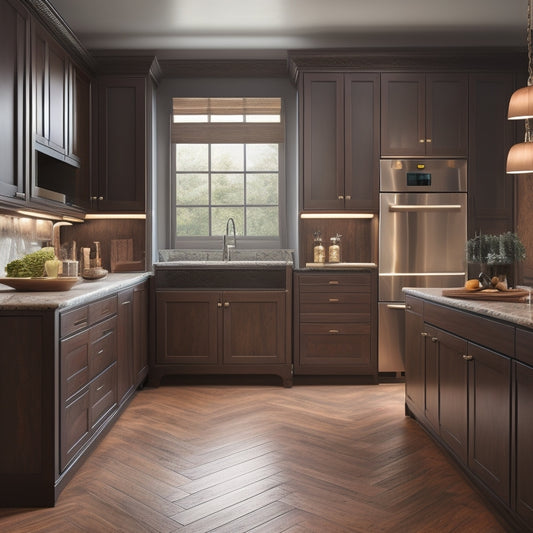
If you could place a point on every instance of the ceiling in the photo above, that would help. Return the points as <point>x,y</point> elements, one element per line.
<point>267,28</point>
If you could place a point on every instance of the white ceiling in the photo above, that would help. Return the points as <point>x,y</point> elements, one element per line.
<point>252,28</point>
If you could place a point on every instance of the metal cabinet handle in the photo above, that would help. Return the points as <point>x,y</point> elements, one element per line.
<point>434,339</point>
<point>333,282</point>
<point>422,141</point>
<point>333,330</point>
<point>468,357</point>
<point>219,304</point>
<point>341,197</point>
<point>428,140</point>
<point>424,334</point>
<point>333,300</point>
<point>348,197</point>
<point>226,304</point>
<point>99,388</point>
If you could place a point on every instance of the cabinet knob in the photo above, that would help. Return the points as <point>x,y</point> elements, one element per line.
<point>428,140</point>
<point>468,357</point>
<point>341,197</point>
<point>348,197</point>
<point>333,282</point>
<point>333,300</point>
<point>421,141</point>
<point>424,334</point>
<point>226,304</point>
<point>434,339</point>
<point>219,304</point>
<point>333,331</point>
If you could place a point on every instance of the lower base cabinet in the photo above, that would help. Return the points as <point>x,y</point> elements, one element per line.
<point>222,332</point>
<point>475,400</point>
<point>335,323</point>
<point>59,389</point>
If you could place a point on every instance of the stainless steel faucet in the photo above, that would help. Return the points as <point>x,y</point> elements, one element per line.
<point>227,246</point>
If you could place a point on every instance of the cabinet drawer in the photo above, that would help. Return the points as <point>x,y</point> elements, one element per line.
<point>524,345</point>
<point>103,396</point>
<point>74,364</point>
<point>339,344</point>
<point>75,427</point>
<point>102,346</point>
<point>416,305</point>
<point>102,309</point>
<point>73,321</point>
<point>327,302</point>
<point>335,282</point>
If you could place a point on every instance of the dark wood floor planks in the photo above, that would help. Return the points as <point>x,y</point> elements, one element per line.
<point>240,458</point>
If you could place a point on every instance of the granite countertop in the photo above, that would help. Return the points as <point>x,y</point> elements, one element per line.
<point>84,291</point>
<point>516,313</point>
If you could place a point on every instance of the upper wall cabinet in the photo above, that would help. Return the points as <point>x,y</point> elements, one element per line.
<point>14,87</point>
<point>424,115</point>
<point>340,140</point>
<point>52,93</point>
<point>120,181</point>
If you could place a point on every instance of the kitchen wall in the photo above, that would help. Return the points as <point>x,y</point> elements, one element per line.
<point>206,87</point>
<point>524,226</point>
<point>20,236</point>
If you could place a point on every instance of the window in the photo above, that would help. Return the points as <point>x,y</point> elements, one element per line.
<point>228,156</point>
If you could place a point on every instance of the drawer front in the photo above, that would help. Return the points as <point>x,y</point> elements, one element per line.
<point>75,427</point>
<point>102,309</point>
<point>103,396</point>
<point>524,345</point>
<point>336,344</point>
<point>416,305</point>
<point>102,346</point>
<point>327,302</point>
<point>335,282</point>
<point>74,364</point>
<point>73,321</point>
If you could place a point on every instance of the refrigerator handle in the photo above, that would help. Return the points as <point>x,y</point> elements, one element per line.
<point>396,306</point>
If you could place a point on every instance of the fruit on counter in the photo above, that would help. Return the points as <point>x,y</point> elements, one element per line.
<point>31,265</point>
<point>484,280</point>
<point>472,284</point>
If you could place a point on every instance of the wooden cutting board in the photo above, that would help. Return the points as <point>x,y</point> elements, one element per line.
<point>510,295</point>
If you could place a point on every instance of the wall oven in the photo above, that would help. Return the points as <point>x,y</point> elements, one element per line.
<point>422,235</point>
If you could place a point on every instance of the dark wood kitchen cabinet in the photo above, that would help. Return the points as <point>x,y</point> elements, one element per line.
<point>121,144</point>
<point>14,101</point>
<point>58,388</point>
<point>222,331</point>
<point>335,323</point>
<point>484,398</point>
<point>424,114</point>
<point>340,139</point>
<point>221,320</point>
<point>490,189</point>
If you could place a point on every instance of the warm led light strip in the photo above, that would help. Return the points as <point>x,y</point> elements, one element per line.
<point>336,215</point>
<point>393,274</point>
<point>116,216</point>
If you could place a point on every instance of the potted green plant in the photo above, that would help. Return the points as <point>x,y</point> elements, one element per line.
<point>496,254</point>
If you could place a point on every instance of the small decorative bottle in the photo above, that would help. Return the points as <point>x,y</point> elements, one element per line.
<point>319,252</point>
<point>334,252</point>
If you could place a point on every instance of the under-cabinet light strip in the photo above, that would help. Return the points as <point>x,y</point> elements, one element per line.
<point>110,216</point>
<point>337,215</point>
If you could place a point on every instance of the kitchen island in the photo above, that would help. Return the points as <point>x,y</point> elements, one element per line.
<point>69,363</point>
<point>469,383</point>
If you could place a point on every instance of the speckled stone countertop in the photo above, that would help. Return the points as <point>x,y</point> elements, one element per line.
<point>516,313</point>
<point>83,292</point>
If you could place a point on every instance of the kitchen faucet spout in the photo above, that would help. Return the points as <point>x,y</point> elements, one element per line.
<point>226,245</point>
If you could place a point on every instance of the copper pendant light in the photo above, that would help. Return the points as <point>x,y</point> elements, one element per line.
<point>520,157</point>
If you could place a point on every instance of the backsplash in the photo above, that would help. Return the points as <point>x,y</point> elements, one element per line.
<point>20,236</point>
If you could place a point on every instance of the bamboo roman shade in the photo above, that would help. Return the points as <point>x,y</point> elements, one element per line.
<point>249,120</point>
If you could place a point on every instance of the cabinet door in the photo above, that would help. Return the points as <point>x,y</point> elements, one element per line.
<point>453,393</point>
<point>120,184</point>
<point>361,175</point>
<point>322,130</point>
<point>140,332</point>
<point>14,27</point>
<point>491,135</point>
<point>187,326</point>
<point>490,419</point>
<point>431,391</point>
<point>254,327</point>
<point>51,96</point>
<point>524,442</point>
<point>446,115</point>
<point>415,363</point>
<point>403,100</point>
<point>125,344</point>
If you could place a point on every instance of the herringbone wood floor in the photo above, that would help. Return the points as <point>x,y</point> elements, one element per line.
<point>326,459</point>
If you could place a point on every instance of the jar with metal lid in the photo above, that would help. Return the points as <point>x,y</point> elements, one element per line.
<point>334,251</point>
<point>319,252</point>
